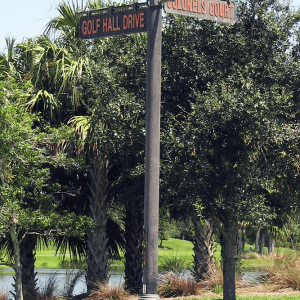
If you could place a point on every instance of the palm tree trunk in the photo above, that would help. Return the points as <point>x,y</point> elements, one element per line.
<point>257,237</point>
<point>203,248</point>
<point>97,258</point>
<point>18,295</point>
<point>27,251</point>
<point>134,246</point>
<point>228,240</point>
<point>261,241</point>
<point>240,240</point>
<point>271,242</point>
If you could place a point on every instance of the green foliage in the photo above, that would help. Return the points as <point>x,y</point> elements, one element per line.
<point>229,121</point>
<point>245,100</point>
<point>180,249</point>
<point>219,289</point>
<point>173,264</point>
<point>170,228</point>
<point>25,198</point>
<point>289,234</point>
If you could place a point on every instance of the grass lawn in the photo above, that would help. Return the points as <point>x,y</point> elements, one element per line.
<point>47,259</point>
<point>172,248</point>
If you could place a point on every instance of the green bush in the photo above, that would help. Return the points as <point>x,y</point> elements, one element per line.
<point>173,264</point>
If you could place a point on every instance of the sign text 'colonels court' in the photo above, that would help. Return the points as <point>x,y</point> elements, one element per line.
<point>217,10</point>
<point>120,23</point>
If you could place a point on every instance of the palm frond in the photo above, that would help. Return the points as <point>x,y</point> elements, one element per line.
<point>50,102</point>
<point>10,44</point>
<point>81,125</point>
<point>67,21</point>
<point>70,70</point>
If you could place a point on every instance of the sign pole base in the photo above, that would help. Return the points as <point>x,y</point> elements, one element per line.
<point>149,297</point>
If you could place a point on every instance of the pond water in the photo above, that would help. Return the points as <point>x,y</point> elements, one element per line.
<point>252,277</point>
<point>61,277</point>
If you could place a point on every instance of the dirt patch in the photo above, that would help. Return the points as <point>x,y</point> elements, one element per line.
<point>265,290</point>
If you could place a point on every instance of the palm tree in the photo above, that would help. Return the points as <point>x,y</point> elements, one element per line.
<point>6,60</point>
<point>57,68</point>
<point>134,235</point>
<point>74,87</point>
<point>203,248</point>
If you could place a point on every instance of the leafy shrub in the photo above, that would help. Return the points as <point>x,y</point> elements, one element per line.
<point>219,289</point>
<point>289,234</point>
<point>174,285</point>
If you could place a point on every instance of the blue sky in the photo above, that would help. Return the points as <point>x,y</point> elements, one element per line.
<point>21,18</point>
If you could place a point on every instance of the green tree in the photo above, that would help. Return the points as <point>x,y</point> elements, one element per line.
<point>59,69</point>
<point>27,206</point>
<point>238,117</point>
<point>70,73</point>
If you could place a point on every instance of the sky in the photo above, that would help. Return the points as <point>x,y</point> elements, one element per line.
<point>28,18</point>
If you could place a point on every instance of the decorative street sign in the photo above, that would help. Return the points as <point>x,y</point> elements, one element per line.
<point>116,23</point>
<point>217,10</point>
<point>140,17</point>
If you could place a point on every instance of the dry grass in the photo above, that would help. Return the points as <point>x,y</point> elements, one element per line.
<point>285,272</point>
<point>175,285</point>
<point>47,291</point>
<point>3,296</point>
<point>252,255</point>
<point>213,278</point>
<point>103,292</point>
<point>48,298</point>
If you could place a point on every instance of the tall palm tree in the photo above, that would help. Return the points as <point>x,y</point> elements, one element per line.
<point>73,84</point>
<point>58,68</point>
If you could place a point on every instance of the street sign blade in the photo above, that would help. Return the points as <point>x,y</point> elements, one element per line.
<point>216,10</point>
<point>120,23</point>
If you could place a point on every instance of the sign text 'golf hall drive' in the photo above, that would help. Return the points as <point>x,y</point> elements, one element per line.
<point>103,25</point>
<point>217,10</point>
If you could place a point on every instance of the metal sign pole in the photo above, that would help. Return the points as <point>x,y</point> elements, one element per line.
<point>129,20</point>
<point>151,204</point>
